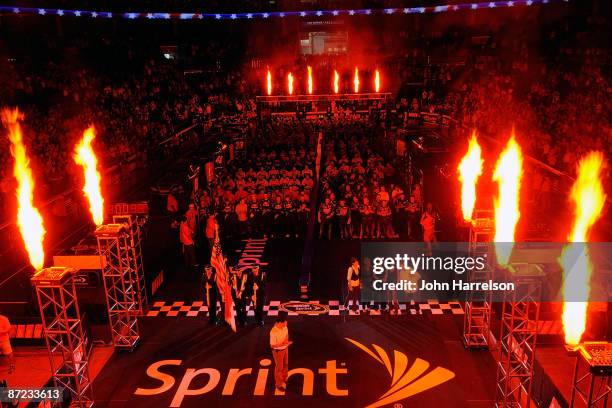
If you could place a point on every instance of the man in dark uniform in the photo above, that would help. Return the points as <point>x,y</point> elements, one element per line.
<point>278,212</point>
<point>368,219</point>
<point>343,215</point>
<point>230,219</point>
<point>385,227</point>
<point>302,214</point>
<point>238,284</point>
<point>290,217</point>
<point>211,293</point>
<point>254,214</point>
<point>325,218</point>
<point>256,288</point>
<point>413,215</point>
<point>266,211</point>
<point>400,205</point>
<point>390,276</point>
<point>355,217</point>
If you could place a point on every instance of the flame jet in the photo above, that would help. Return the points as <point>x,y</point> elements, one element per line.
<point>29,220</point>
<point>588,197</point>
<point>85,157</point>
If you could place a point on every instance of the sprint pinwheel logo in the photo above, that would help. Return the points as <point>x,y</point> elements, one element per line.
<point>406,380</point>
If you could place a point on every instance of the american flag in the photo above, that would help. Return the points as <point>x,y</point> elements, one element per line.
<point>218,262</point>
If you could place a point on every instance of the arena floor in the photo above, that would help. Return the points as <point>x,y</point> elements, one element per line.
<point>378,360</point>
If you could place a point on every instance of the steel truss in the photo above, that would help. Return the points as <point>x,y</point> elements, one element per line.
<point>119,284</point>
<point>477,317</point>
<point>591,382</point>
<point>64,336</point>
<point>132,224</point>
<point>519,330</point>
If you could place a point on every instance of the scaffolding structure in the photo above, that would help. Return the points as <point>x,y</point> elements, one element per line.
<point>119,284</point>
<point>519,330</point>
<point>64,336</point>
<point>132,224</point>
<point>591,382</point>
<point>477,317</point>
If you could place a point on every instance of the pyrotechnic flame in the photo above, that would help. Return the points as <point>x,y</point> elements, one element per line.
<point>588,197</point>
<point>508,174</point>
<point>85,157</point>
<point>469,169</point>
<point>290,83</point>
<point>336,81</point>
<point>356,80</point>
<point>269,82</point>
<point>29,220</point>
<point>377,81</point>
<point>309,80</point>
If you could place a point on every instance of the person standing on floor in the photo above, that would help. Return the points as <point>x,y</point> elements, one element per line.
<point>238,284</point>
<point>353,278</point>
<point>256,287</point>
<point>279,342</point>
<point>211,292</point>
<point>5,342</point>
<point>242,212</point>
<point>428,222</point>
<point>192,218</point>
<point>211,224</point>
<point>189,251</point>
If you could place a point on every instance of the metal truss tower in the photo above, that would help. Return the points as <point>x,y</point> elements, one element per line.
<point>121,295</point>
<point>66,343</point>
<point>132,224</point>
<point>519,330</point>
<point>477,317</point>
<point>591,383</point>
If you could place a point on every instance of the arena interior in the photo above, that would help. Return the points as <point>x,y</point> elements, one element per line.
<point>189,190</point>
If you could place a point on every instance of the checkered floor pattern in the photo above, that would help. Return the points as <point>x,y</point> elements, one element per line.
<point>194,309</point>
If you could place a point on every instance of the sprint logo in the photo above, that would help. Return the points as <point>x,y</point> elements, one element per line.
<point>406,380</point>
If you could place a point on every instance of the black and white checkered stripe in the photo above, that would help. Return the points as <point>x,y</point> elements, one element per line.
<point>195,309</point>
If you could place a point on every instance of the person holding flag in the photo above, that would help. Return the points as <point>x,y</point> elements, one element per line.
<point>221,276</point>
<point>256,292</point>
<point>211,292</point>
<point>238,281</point>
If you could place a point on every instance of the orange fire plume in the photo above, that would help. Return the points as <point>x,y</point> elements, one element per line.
<point>269,82</point>
<point>85,157</point>
<point>356,80</point>
<point>29,220</point>
<point>588,197</point>
<point>469,169</point>
<point>309,80</point>
<point>336,81</point>
<point>290,83</point>
<point>508,174</point>
<point>377,81</point>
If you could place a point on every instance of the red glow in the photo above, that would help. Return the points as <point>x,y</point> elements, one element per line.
<point>290,83</point>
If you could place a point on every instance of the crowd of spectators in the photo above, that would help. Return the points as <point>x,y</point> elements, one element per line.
<point>144,100</point>
<point>557,98</point>
<point>553,126</point>
<point>362,197</point>
<point>266,190</point>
